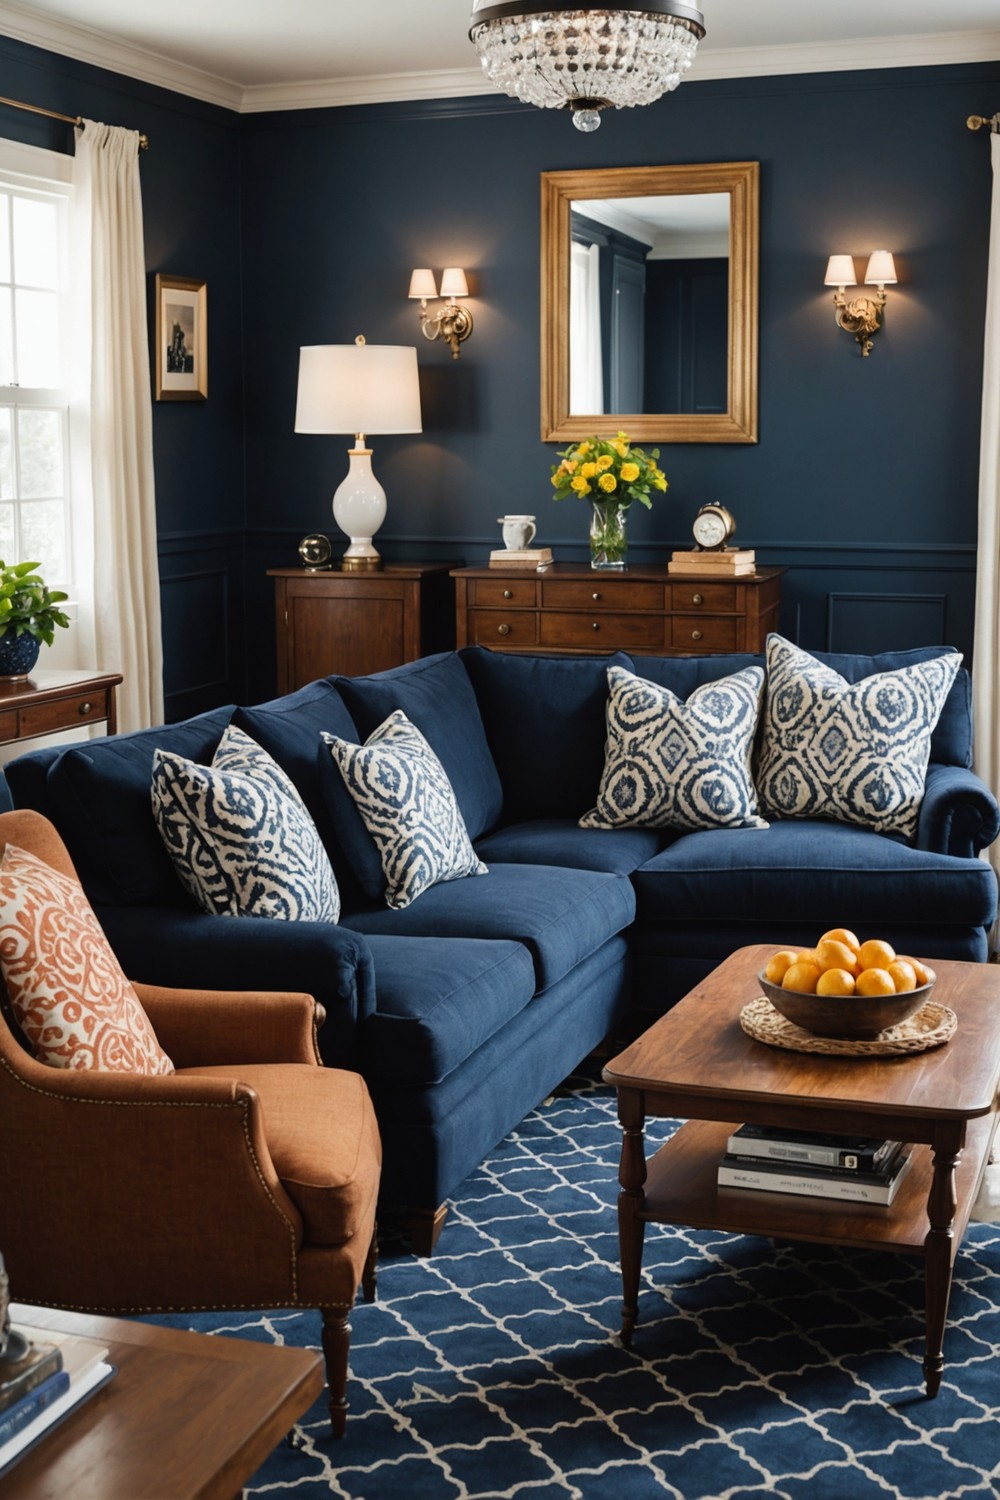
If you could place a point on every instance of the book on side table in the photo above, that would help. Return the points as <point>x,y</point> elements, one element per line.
<point>768,1174</point>
<point>860,1153</point>
<point>74,1368</point>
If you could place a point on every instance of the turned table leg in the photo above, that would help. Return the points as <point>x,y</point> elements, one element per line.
<point>939,1254</point>
<point>631,1224</point>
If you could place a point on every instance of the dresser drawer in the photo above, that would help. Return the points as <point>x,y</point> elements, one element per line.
<point>707,596</point>
<point>498,627</point>
<point>701,633</point>
<point>516,592</point>
<point>68,713</point>
<point>602,632</point>
<point>617,594</point>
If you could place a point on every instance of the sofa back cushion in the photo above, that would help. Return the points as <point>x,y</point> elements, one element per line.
<point>544,721</point>
<point>99,795</point>
<point>437,697</point>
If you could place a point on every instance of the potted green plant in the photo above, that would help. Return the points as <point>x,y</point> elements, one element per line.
<point>29,616</point>
<point>611,473</point>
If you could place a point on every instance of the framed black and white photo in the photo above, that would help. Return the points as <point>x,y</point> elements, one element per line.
<point>181,339</point>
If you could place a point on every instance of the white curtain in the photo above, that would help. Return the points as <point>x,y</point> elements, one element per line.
<point>114,408</point>
<point>586,362</point>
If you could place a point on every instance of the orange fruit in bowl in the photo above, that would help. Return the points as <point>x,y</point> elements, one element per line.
<point>835,982</point>
<point>778,964</point>
<point>831,953</point>
<point>802,977</point>
<point>923,972</point>
<point>874,981</point>
<point>903,975</point>
<point>841,935</point>
<point>876,954</point>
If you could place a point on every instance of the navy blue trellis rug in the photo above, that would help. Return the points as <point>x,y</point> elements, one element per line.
<point>492,1371</point>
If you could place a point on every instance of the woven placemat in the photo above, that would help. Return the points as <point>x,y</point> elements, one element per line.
<point>932,1026</point>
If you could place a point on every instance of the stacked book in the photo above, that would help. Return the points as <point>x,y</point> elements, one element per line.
<point>521,557</point>
<point>43,1376</point>
<point>728,562</point>
<point>860,1169</point>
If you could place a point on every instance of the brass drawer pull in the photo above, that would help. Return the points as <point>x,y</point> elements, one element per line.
<point>503,630</point>
<point>696,635</point>
<point>697,599</point>
<point>595,597</point>
<point>86,708</point>
<point>595,626</point>
<point>508,593</point>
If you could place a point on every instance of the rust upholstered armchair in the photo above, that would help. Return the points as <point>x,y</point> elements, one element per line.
<point>247,1178</point>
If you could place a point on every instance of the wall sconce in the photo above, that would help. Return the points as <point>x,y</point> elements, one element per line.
<point>860,316</point>
<point>452,323</point>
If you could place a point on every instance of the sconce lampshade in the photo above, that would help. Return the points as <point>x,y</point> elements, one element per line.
<point>453,282</point>
<point>840,271</point>
<point>881,269</point>
<point>423,283</point>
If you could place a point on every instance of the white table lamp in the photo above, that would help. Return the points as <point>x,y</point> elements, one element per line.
<point>364,389</point>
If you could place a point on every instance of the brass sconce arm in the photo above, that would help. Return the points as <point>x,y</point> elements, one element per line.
<point>861,316</point>
<point>453,324</point>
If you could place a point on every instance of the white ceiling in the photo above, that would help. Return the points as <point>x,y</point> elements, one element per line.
<point>271,54</point>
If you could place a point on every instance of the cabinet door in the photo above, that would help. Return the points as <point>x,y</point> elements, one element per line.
<point>355,630</point>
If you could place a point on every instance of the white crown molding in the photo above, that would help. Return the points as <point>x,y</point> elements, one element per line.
<point>104,51</point>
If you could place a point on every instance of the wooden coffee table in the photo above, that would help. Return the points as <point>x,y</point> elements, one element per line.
<point>697,1064</point>
<point>187,1416</point>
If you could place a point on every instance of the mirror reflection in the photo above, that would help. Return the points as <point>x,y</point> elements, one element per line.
<point>649,302</point>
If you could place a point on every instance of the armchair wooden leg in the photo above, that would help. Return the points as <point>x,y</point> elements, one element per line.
<point>369,1276</point>
<point>336,1347</point>
<point>422,1227</point>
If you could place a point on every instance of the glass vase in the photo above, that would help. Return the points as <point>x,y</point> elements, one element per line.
<point>608,534</point>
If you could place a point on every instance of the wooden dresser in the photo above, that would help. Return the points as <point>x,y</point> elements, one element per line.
<point>570,608</point>
<point>356,623</point>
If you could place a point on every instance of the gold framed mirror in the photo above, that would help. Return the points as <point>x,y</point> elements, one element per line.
<point>672,247</point>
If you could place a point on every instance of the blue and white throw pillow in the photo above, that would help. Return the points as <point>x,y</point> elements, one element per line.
<point>239,835</point>
<point>853,752</point>
<point>676,763</point>
<point>406,801</point>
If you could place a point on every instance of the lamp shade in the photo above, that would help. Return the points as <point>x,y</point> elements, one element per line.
<point>881,269</point>
<point>840,271</point>
<point>422,283</point>
<point>359,388</point>
<point>453,282</point>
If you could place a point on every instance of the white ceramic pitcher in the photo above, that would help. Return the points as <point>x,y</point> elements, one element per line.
<point>518,531</point>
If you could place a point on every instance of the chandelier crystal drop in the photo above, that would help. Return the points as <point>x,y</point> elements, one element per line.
<point>585,58</point>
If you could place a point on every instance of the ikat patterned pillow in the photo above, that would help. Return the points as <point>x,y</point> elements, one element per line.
<point>240,836</point>
<point>679,763</point>
<point>406,801</point>
<point>853,752</point>
<point>65,986</point>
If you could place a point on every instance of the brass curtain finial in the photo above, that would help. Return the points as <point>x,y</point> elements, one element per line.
<point>977,122</point>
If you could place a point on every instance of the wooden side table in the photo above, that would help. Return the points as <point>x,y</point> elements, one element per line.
<point>48,701</point>
<point>187,1417</point>
<point>356,623</point>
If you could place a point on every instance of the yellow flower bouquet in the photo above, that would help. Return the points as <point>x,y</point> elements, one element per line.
<point>611,474</point>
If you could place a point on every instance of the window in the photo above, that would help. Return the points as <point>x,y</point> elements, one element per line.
<point>35,508</point>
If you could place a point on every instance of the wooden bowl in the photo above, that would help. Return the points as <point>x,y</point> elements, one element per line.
<point>857,1017</point>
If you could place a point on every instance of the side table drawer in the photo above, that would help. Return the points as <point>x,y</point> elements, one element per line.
<point>698,634</point>
<point>707,596</point>
<point>602,632</point>
<point>617,593</point>
<point>499,627</point>
<point>69,713</point>
<point>501,592</point>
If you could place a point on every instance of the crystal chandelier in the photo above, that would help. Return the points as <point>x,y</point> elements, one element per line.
<point>585,57</point>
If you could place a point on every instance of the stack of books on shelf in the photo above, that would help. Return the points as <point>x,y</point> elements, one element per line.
<point>860,1169</point>
<point>43,1376</point>
<point>729,562</point>
<point>521,557</point>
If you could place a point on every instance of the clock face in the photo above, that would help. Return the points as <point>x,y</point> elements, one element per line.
<point>712,525</point>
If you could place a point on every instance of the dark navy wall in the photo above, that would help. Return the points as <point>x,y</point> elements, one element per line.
<point>306,226</point>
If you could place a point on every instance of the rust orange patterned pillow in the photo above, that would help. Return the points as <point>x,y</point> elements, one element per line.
<point>66,988</point>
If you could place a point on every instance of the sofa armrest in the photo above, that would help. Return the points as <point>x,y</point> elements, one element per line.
<point>197,1028</point>
<point>959,814</point>
<point>181,948</point>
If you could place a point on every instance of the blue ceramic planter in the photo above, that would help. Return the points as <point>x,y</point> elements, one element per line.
<point>18,653</point>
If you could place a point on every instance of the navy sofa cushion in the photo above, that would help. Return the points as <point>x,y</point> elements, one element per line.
<point>439,1002</point>
<point>100,801</point>
<point>436,695</point>
<point>561,841</point>
<point>810,871</point>
<point>544,719</point>
<point>561,916</point>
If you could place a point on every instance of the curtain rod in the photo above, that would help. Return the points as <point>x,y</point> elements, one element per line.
<point>53,114</point>
<point>976,122</point>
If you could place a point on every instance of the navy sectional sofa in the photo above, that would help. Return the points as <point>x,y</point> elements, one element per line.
<point>469,1006</point>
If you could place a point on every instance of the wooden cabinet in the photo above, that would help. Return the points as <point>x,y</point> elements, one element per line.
<point>49,700</point>
<point>569,608</point>
<point>355,623</point>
